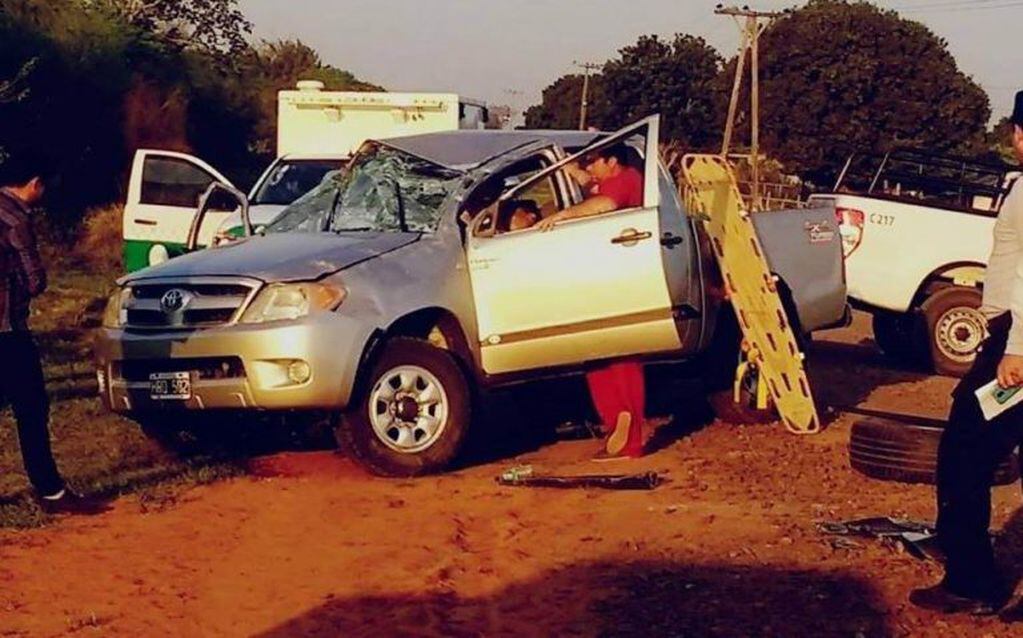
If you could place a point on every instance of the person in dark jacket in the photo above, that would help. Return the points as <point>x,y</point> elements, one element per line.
<point>971,446</point>
<point>23,277</point>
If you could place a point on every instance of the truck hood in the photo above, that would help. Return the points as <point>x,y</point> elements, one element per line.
<point>281,257</point>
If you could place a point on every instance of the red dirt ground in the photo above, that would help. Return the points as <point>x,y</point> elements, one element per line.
<point>308,545</point>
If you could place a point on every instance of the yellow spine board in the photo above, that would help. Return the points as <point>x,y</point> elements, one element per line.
<point>714,195</point>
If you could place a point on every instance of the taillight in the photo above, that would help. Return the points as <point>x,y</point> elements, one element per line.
<point>850,226</point>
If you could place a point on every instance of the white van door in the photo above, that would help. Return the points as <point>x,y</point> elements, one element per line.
<point>163,195</point>
<point>592,288</point>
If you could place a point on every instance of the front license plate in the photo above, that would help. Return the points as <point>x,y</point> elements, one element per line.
<point>170,386</point>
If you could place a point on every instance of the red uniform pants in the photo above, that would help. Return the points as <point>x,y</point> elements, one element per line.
<point>616,388</point>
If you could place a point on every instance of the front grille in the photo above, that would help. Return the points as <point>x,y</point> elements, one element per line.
<point>187,304</point>
<point>138,370</point>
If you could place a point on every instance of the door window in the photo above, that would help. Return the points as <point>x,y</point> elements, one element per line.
<point>616,174</point>
<point>532,203</point>
<point>169,181</point>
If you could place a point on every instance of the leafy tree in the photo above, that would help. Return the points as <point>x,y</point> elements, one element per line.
<point>14,89</point>
<point>675,79</point>
<point>90,82</point>
<point>559,108</point>
<point>999,141</point>
<point>279,65</point>
<point>216,26</point>
<point>839,77</point>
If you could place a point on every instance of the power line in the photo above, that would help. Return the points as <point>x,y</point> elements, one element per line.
<point>945,3</point>
<point>963,7</point>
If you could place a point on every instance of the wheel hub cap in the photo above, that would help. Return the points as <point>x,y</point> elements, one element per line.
<point>408,409</point>
<point>960,332</point>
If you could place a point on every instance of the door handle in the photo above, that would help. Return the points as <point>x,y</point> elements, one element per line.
<point>670,241</point>
<point>145,222</point>
<point>631,237</point>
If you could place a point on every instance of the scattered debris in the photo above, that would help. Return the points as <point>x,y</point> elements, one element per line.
<point>524,476</point>
<point>914,537</point>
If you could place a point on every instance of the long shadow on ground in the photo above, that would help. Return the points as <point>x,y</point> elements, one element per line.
<point>645,599</point>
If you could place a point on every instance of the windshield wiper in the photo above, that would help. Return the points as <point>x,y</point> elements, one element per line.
<point>357,229</point>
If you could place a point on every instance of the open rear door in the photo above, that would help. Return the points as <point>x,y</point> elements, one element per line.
<point>163,195</point>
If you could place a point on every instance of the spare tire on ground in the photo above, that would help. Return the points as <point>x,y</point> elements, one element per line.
<point>908,453</point>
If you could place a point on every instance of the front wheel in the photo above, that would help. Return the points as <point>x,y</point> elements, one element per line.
<point>955,329</point>
<point>412,416</point>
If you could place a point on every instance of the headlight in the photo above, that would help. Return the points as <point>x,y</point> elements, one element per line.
<point>114,314</point>
<point>280,302</point>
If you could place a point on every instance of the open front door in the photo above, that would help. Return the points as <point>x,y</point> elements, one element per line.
<point>163,195</point>
<point>591,288</point>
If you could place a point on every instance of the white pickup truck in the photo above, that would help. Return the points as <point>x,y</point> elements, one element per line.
<point>916,232</point>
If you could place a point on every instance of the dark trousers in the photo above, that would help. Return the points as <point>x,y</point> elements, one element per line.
<point>22,385</point>
<point>970,450</point>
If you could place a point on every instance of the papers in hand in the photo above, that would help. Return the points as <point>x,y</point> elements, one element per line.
<point>994,399</point>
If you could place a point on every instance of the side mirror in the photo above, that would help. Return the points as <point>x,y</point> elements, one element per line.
<point>218,197</point>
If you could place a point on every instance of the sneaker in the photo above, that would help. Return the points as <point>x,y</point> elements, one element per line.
<point>941,600</point>
<point>620,436</point>
<point>605,455</point>
<point>73,504</point>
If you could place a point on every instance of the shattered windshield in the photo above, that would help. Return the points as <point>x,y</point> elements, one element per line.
<point>383,190</point>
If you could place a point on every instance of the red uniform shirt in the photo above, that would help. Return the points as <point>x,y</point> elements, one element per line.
<point>625,188</point>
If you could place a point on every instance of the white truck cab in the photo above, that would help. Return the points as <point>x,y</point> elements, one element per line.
<point>916,233</point>
<point>317,132</point>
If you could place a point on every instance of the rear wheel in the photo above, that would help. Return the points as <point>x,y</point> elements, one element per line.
<point>955,329</point>
<point>413,415</point>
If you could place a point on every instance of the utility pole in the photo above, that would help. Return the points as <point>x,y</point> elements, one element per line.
<point>584,102</point>
<point>513,104</point>
<point>753,25</point>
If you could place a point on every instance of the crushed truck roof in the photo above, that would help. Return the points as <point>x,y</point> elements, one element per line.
<point>468,149</point>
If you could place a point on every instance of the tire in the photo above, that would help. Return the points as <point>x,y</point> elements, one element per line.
<point>896,335</point>
<point>388,432</point>
<point>955,328</point>
<point>894,451</point>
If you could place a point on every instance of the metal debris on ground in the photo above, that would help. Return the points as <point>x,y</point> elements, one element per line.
<point>525,477</point>
<point>914,537</point>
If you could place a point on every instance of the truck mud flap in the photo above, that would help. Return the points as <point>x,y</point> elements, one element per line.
<point>713,195</point>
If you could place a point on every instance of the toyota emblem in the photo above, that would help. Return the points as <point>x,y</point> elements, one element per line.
<point>174,300</point>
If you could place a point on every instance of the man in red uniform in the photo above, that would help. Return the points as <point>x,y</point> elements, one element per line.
<point>618,389</point>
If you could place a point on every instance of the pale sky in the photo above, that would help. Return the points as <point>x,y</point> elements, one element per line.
<point>507,51</point>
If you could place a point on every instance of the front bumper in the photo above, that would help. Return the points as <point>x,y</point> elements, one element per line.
<point>238,366</point>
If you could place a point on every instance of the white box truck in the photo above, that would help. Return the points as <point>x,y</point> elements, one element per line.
<point>317,131</point>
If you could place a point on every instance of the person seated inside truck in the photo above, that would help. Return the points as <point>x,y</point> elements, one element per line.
<point>610,182</point>
<point>517,214</point>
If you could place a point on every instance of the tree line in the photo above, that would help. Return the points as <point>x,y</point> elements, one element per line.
<point>91,81</point>
<point>836,77</point>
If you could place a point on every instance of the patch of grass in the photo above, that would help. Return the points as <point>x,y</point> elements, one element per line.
<point>98,452</point>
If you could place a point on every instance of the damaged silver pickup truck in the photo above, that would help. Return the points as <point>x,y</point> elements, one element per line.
<point>399,285</point>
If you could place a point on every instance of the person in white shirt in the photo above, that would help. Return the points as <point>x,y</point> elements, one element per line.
<point>972,447</point>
